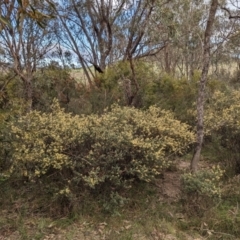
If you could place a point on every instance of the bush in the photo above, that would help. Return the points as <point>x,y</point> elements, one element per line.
<point>231,190</point>
<point>222,122</point>
<point>178,95</point>
<point>11,106</point>
<point>235,79</point>
<point>201,190</point>
<point>117,84</point>
<point>52,82</point>
<point>93,151</point>
<point>223,111</point>
<point>204,182</point>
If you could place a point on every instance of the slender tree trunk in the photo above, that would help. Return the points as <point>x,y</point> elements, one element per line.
<point>133,98</point>
<point>167,59</point>
<point>27,84</point>
<point>202,84</point>
<point>28,94</point>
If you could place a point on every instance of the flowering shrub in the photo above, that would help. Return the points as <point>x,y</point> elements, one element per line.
<point>223,111</point>
<point>204,182</point>
<point>222,125</point>
<point>115,148</point>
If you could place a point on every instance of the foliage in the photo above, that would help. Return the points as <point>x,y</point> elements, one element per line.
<point>222,221</point>
<point>177,95</point>
<point>222,111</point>
<point>235,79</point>
<point>11,106</point>
<point>117,73</point>
<point>221,108</point>
<point>93,151</point>
<point>53,82</point>
<point>10,93</point>
<point>231,190</point>
<point>222,122</point>
<point>117,84</point>
<point>142,217</point>
<point>204,182</point>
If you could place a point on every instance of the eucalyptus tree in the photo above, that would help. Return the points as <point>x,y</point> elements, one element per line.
<point>24,45</point>
<point>202,83</point>
<point>185,24</point>
<point>106,31</point>
<point>190,36</point>
<point>201,32</point>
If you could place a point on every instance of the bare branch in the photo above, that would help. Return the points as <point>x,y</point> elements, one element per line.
<point>230,14</point>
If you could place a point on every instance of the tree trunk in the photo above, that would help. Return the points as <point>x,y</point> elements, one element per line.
<point>167,59</point>
<point>28,89</point>
<point>202,84</point>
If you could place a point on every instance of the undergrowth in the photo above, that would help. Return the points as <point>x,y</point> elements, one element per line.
<point>142,214</point>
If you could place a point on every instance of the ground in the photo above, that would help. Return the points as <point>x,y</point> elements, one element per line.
<point>158,218</point>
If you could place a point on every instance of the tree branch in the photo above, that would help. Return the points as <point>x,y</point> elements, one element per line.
<point>230,14</point>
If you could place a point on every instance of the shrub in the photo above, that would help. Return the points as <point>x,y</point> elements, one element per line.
<point>204,182</point>
<point>93,151</point>
<point>201,190</point>
<point>54,82</point>
<point>11,106</point>
<point>235,79</point>
<point>223,111</point>
<point>231,190</point>
<point>222,122</point>
<point>177,95</point>
<point>117,84</point>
